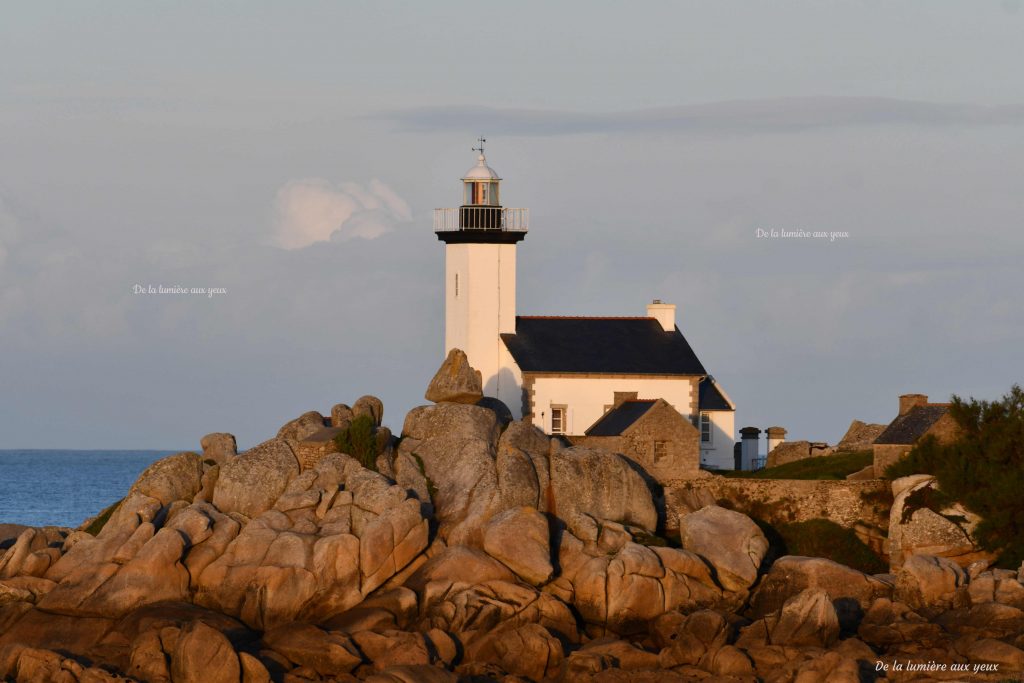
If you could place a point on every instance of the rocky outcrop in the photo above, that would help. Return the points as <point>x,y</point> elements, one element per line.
<point>481,550</point>
<point>916,528</point>
<point>219,447</point>
<point>252,482</point>
<point>860,436</point>
<point>518,538</point>
<point>931,584</point>
<point>455,381</point>
<point>737,562</point>
<point>790,575</point>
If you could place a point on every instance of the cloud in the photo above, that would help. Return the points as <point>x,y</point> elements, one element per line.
<point>779,115</point>
<point>314,210</point>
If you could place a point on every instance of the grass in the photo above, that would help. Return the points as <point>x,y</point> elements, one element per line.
<point>824,538</point>
<point>835,466</point>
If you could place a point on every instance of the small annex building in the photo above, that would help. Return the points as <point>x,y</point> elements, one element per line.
<point>563,373</point>
<point>651,432</point>
<point>917,419</point>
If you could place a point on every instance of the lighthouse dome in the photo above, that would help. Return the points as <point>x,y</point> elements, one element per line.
<point>481,171</point>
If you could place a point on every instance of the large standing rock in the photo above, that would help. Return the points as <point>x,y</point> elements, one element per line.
<point>455,381</point>
<point>923,531</point>
<point>219,446</point>
<point>455,443</point>
<point>601,484</point>
<point>519,539</point>
<point>252,482</point>
<point>203,655</point>
<point>370,406</point>
<point>931,584</point>
<point>792,574</point>
<point>176,477</point>
<point>807,620</point>
<point>302,426</point>
<point>729,540</point>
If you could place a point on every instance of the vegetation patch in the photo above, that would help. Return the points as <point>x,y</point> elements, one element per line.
<point>100,521</point>
<point>824,538</point>
<point>360,441</point>
<point>431,487</point>
<point>983,470</point>
<point>835,466</point>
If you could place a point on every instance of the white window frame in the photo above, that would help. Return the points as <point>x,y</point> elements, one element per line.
<point>563,412</point>
<point>705,420</point>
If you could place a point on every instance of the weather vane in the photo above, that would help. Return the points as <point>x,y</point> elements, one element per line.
<point>481,140</point>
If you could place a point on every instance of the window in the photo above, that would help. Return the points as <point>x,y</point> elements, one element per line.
<point>456,285</point>
<point>558,419</point>
<point>705,427</point>
<point>660,452</point>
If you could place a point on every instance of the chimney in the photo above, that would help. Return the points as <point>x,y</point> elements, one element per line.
<point>910,401</point>
<point>776,435</point>
<point>621,397</point>
<point>748,452</point>
<point>663,313</point>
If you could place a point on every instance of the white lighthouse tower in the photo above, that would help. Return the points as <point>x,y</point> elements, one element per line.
<point>480,239</point>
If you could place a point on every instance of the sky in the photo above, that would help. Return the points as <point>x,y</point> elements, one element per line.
<point>291,154</point>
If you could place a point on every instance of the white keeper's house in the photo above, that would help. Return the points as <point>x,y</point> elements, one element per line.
<point>563,373</point>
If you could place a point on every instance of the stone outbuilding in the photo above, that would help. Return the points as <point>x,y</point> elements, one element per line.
<point>314,447</point>
<point>650,432</point>
<point>917,419</point>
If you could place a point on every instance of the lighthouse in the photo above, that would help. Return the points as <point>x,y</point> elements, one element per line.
<point>480,239</point>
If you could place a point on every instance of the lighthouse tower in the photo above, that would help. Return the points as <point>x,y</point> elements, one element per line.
<point>480,239</point>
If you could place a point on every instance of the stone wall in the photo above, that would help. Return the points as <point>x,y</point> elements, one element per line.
<point>859,505</point>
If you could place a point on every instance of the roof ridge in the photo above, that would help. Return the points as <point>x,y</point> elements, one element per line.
<point>585,317</point>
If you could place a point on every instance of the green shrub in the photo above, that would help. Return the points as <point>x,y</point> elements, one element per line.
<point>824,538</point>
<point>983,469</point>
<point>100,521</point>
<point>835,466</point>
<point>360,441</point>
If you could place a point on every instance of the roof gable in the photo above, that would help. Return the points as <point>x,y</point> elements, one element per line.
<point>600,345</point>
<point>710,396</point>
<point>620,418</point>
<point>912,425</point>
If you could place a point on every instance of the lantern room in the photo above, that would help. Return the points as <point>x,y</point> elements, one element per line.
<point>481,185</point>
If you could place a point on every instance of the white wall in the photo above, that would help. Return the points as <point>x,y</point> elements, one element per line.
<point>586,397</point>
<point>719,452</point>
<point>479,309</point>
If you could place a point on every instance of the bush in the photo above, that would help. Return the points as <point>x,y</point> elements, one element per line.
<point>360,441</point>
<point>100,520</point>
<point>835,466</point>
<point>824,538</point>
<point>983,469</point>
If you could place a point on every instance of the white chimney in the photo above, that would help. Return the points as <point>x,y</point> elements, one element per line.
<point>663,313</point>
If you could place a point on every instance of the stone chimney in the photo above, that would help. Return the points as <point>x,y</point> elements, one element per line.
<point>663,313</point>
<point>911,401</point>
<point>621,397</point>
<point>776,435</point>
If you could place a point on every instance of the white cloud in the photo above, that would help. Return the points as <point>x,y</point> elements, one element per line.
<point>313,210</point>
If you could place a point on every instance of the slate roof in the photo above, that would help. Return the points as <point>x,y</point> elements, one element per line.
<point>600,345</point>
<point>912,425</point>
<point>619,419</point>
<point>710,398</point>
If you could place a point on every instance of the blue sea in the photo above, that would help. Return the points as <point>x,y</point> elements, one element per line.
<point>64,488</point>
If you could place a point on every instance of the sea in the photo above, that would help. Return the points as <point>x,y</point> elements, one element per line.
<point>64,488</point>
